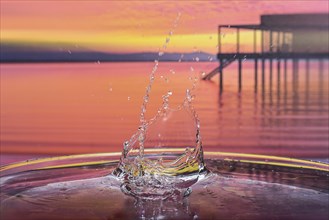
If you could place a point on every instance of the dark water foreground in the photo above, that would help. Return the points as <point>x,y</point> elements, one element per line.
<point>238,186</point>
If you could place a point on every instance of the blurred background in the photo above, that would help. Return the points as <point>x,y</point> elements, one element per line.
<point>73,76</point>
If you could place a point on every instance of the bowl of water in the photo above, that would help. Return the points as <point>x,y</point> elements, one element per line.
<point>235,186</point>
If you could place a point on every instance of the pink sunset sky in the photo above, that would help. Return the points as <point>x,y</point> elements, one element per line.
<point>134,26</point>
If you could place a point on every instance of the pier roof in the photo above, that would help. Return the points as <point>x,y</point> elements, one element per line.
<point>276,27</point>
<point>288,22</point>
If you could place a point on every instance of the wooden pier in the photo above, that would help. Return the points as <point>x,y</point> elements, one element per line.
<point>278,37</point>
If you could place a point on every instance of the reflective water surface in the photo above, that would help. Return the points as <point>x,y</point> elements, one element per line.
<point>247,187</point>
<point>70,108</point>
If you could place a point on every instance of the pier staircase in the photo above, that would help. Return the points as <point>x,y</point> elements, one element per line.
<point>224,64</point>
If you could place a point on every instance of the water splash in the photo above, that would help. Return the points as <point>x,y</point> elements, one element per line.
<point>180,163</point>
<point>172,172</point>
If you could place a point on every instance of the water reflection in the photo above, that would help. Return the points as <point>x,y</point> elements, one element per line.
<point>307,84</point>
<point>289,116</point>
<point>172,208</point>
<point>321,86</point>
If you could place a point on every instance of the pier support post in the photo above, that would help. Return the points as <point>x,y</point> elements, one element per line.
<point>240,75</point>
<point>220,76</point>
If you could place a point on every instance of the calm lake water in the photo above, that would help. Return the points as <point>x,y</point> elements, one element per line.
<point>73,108</point>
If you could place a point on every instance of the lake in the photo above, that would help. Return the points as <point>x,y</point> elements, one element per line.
<point>74,108</point>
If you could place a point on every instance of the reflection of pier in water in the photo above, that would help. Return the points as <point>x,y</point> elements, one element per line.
<point>278,38</point>
<point>289,114</point>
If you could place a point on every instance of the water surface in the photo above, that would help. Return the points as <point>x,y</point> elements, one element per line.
<point>72,108</point>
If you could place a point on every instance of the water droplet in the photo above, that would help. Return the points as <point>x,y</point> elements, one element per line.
<point>128,98</point>
<point>188,95</point>
<point>146,98</point>
<point>197,59</point>
<point>169,93</point>
<point>125,144</point>
<point>141,137</point>
<point>187,192</point>
<point>69,51</point>
<point>161,53</point>
<point>110,89</point>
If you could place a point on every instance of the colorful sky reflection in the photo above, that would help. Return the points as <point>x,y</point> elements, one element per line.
<point>133,26</point>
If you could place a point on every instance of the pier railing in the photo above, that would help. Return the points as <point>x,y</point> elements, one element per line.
<point>268,42</point>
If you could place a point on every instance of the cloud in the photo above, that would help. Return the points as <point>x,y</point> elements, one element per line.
<point>106,22</point>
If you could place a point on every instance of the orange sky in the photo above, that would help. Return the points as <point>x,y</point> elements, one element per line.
<point>134,26</point>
